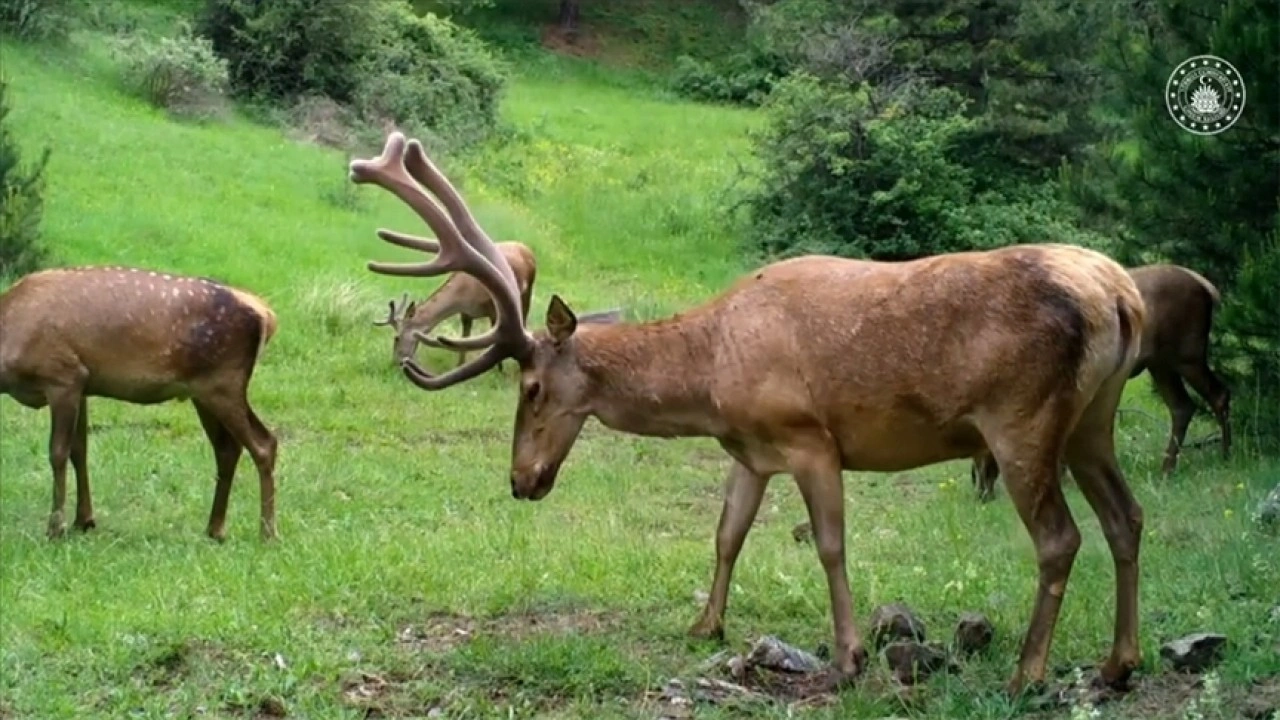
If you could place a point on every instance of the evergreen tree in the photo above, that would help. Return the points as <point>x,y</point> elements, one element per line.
<point>21,202</point>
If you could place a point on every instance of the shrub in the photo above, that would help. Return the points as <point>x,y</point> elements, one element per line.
<point>21,203</point>
<point>431,75</point>
<point>36,20</point>
<point>181,73</point>
<point>279,49</point>
<point>379,57</point>
<point>744,78</point>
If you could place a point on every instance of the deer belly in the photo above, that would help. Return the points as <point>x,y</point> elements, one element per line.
<point>139,392</point>
<point>897,445</point>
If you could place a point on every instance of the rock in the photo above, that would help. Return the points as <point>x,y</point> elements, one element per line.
<point>973,633</point>
<point>272,707</point>
<point>1268,511</point>
<point>895,621</point>
<point>770,652</point>
<point>435,712</point>
<point>912,662</point>
<point>802,533</point>
<point>1194,653</point>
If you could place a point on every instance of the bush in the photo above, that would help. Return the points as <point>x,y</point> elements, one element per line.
<point>430,75</point>
<point>380,58</point>
<point>861,173</point>
<point>181,73</point>
<point>36,20</point>
<point>744,78</point>
<point>21,203</point>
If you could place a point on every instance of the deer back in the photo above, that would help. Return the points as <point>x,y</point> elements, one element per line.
<point>1180,305</point>
<point>128,333</point>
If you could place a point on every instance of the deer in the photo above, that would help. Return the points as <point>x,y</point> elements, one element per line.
<point>813,365</point>
<point>1180,305</point>
<point>460,295</point>
<point>142,337</point>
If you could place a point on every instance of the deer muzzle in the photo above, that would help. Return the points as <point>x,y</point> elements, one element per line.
<point>535,482</point>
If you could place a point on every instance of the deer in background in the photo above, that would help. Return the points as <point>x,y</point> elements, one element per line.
<point>460,295</point>
<point>143,337</point>
<point>815,365</point>
<point>1175,346</point>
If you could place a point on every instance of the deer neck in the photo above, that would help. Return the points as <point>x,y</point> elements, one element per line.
<point>438,307</point>
<point>652,379</point>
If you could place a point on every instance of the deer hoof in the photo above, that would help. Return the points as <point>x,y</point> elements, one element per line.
<point>269,533</point>
<point>705,630</point>
<point>57,527</point>
<point>85,525</point>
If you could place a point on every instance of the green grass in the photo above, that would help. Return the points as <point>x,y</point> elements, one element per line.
<point>396,520</point>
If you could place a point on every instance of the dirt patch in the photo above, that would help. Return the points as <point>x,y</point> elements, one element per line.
<point>442,632</point>
<point>381,695</point>
<point>581,42</point>
<point>1172,694</point>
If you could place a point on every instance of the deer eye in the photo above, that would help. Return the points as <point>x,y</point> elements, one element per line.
<point>531,390</point>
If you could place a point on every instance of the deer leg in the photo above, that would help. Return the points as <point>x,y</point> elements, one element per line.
<point>1091,455</point>
<point>79,462</point>
<point>983,472</point>
<point>64,409</point>
<point>743,490</point>
<point>233,411</point>
<point>1181,409</point>
<point>1210,387</point>
<point>465,320</point>
<point>1031,479</point>
<point>818,476</point>
<point>226,455</point>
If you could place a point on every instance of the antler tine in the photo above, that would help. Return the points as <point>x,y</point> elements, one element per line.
<point>413,242</point>
<point>509,326</point>
<point>456,252</point>
<point>392,320</point>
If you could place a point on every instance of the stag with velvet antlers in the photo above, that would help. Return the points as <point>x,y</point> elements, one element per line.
<point>460,295</point>
<point>815,365</point>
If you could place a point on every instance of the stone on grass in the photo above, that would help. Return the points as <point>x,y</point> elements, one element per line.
<point>1194,653</point>
<point>802,533</point>
<point>1268,511</point>
<point>895,621</point>
<point>913,662</point>
<point>973,633</point>
<point>770,652</point>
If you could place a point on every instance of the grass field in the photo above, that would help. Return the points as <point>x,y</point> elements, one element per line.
<point>407,578</point>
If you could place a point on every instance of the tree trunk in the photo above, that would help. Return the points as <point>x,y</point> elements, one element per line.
<point>569,15</point>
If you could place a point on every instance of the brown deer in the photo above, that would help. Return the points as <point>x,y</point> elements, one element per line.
<point>460,295</point>
<point>815,365</point>
<point>144,337</point>
<point>1175,346</point>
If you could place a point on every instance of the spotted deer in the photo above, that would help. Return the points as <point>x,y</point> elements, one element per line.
<point>143,337</point>
<point>1175,346</point>
<point>817,364</point>
<point>460,295</point>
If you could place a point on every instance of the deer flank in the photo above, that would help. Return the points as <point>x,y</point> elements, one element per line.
<point>1175,347</point>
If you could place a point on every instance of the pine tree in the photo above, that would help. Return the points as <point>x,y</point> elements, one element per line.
<point>21,202</point>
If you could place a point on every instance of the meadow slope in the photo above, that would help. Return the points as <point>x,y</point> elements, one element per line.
<point>407,578</point>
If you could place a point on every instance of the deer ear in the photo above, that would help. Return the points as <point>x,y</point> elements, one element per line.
<point>561,321</point>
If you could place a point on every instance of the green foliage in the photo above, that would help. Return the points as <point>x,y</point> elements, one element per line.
<point>744,78</point>
<point>429,74</point>
<point>845,173</point>
<point>391,65</point>
<point>37,20</point>
<point>180,73</point>
<point>21,201</point>
<point>1210,203</point>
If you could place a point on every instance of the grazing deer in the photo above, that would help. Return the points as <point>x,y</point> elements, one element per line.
<point>460,295</point>
<point>815,365</point>
<point>1175,346</point>
<point>143,337</point>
